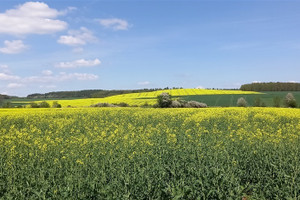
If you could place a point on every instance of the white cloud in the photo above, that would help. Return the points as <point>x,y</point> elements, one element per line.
<point>13,47</point>
<point>79,63</point>
<point>3,67</point>
<point>8,77</point>
<point>68,10</point>
<point>59,78</point>
<point>15,85</point>
<point>114,23</point>
<point>77,38</point>
<point>144,83</point>
<point>31,18</point>
<point>48,86</point>
<point>47,72</point>
<point>84,76</point>
<point>77,50</point>
<point>199,87</point>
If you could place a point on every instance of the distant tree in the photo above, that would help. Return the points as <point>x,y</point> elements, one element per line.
<point>271,86</point>
<point>44,104</point>
<point>103,105</point>
<point>55,104</point>
<point>122,104</point>
<point>33,105</point>
<point>175,104</point>
<point>290,101</point>
<point>276,101</point>
<point>241,102</point>
<point>196,104</point>
<point>257,102</point>
<point>145,105</point>
<point>164,100</point>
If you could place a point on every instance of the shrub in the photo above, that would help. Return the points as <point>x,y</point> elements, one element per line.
<point>44,104</point>
<point>196,104</point>
<point>164,100</point>
<point>55,104</point>
<point>263,104</point>
<point>276,101</point>
<point>175,104</point>
<point>241,102</point>
<point>103,105</point>
<point>33,105</point>
<point>290,101</point>
<point>146,105</point>
<point>122,104</point>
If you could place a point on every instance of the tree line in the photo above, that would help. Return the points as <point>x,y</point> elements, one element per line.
<point>271,86</point>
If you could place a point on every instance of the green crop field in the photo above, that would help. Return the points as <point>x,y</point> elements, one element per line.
<point>136,153</point>
<point>228,100</point>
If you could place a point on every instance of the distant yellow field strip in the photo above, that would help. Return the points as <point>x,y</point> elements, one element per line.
<point>146,97</point>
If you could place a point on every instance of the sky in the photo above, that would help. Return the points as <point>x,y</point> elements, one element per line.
<point>63,45</point>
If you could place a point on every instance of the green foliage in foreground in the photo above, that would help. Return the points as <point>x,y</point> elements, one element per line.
<point>121,153</point>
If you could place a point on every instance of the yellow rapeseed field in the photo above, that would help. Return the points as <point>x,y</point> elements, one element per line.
<point>139,153</point>
<point>145,97</point>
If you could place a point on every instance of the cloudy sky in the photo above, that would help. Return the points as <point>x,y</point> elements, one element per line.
<point>63,45</point>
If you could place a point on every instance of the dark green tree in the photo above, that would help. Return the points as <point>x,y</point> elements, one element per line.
<point>164,100</point>
<point>44,104</point>
<point>55,104</point>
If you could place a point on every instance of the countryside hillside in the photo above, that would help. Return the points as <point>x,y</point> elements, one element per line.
<point>149,100</point>
<point>255,94</point>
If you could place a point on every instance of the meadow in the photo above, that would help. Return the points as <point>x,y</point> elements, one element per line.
<point>146,153</point>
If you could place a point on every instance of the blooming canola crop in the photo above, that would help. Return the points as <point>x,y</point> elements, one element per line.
<point>139,153</point>
<point>146,97</point>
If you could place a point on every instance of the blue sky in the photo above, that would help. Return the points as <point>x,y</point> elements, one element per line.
<point>91,44</point>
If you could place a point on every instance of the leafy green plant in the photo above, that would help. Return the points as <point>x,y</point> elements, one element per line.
<point>164,100</point>
<point>290,101</point>
<point>241,102</point>
<point>55,104</point>
<point>44,104</point>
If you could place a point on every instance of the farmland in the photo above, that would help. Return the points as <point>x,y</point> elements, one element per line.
<point>229,100</point>
<point>142,98</point>
<point>213,98</point>
<point>135,153</point>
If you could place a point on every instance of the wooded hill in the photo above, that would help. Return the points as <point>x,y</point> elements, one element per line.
<point>271,86</point>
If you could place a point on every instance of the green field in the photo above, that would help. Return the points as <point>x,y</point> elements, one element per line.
<point>140,153</point>
<point>229,100</point>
